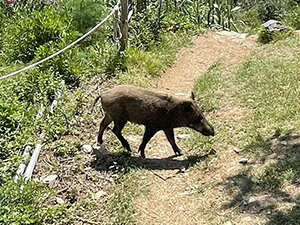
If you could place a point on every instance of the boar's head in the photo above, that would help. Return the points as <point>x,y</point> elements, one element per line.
<point>195,119</point>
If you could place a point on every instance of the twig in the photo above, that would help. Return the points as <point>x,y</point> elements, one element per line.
<point>161,177</point>
<point>62,190</point>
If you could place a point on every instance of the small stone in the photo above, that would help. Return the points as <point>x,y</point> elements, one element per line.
<point>243,161</point>
<point>60,201</point>
<point>281,157</point>
<point>99,194</point>
<point>243,36</point>
<point>284,143</point>
<point>236,150</point>
<point>87,148</point>
<point>87,168</point>
<point>183,95</point>
<point>181,208</point>
<point>228,223</point>
<point>50,179</point>
<point>182,136</point>
<point>247,219</point>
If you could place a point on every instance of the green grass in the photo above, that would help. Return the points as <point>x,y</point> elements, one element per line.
<point>270,90</point>
<point>122,205</point>
<point>266,87</point>
<point>207,86</point>
<point>143,66</point>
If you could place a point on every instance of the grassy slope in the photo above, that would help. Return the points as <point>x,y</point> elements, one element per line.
<point>266,90</point>
<point>142,67</point>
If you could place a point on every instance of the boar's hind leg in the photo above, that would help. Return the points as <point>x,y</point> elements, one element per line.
<point>119,125</point>
<point>170,136</point>
<point>147,136</point>
<point>104,123</point>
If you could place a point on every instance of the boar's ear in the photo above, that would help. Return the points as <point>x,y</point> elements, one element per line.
<point>192,96</point>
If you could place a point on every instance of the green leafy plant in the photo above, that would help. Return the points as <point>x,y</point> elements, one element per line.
<point>293,18</point>
<point>266,36</point>
<point>23,36</point>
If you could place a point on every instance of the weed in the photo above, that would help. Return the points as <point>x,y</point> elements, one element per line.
<point>23,36</point>
<point>265,36</point>
<point>207,85</point>
<point>142,66</point>
<point>129,187</point>
<point>64,149</point>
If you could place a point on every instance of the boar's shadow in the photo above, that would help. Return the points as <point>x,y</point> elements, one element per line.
<point>123,162</point>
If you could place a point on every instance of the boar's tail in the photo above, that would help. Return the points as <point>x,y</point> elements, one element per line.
<point>95,101</point>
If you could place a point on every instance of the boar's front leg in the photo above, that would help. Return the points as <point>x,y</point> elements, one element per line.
<point>119,125</point>
<point>149,132</point>
<point>170,136</point>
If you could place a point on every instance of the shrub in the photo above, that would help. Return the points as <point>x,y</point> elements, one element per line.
<point>144,29</point>
<point>24,35</point>
<point>293,18</point>
<point>265,36</point>
<point>15,121</point>
<point>64,67</point>
<point>249,21</point>
<point>18,205</point>
<point>85,13</point>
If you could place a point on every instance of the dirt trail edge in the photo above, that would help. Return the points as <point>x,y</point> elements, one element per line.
<point>170,200</point>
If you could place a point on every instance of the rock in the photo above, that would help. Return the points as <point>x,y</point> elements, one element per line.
<point>133,138</point>
<point>181,208</point>
<point>99,194</point>
<point>243,36</point>
<point>59,201</point>
<point>274,25</point>
<point>284,143</point>
<point>243,161</point>
<point>183,95</point>
<point>87,168</point>
<point>236,150</point>
<point>100,151</point>
<point>281,157</point>
<point>87,148</point>
<point>50,179</point>
<point>247,219</point>
<point>232,34</point>
<point>228,223</point>
<point>182,136</point>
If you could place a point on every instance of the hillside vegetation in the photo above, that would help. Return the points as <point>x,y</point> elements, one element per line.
<point>267,85</point>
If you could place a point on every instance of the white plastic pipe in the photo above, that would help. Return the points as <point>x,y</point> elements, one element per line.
<point>22,166</point>
<point>33,160</point>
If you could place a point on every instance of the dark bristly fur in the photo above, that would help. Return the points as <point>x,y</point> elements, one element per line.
<point>155,110</point>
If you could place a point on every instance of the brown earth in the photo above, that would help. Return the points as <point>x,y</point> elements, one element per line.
<point>171,199</point>
<point>176,194</point>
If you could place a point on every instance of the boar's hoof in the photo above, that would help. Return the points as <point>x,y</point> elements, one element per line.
<point>178,153</point>
<point>143,155</point>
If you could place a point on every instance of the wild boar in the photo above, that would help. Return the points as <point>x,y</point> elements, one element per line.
<point>155,110</point>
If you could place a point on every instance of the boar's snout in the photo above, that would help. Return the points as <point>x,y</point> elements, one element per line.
<point>208,130</point>
<point>204,128</point>
<point>196,119</point>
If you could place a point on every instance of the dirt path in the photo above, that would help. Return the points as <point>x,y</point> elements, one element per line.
<point>170,200</point>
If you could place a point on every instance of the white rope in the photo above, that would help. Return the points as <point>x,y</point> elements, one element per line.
<point>64,49</point>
